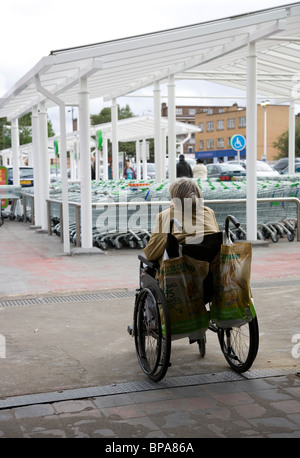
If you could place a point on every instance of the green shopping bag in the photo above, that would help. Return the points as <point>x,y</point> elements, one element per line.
<point>232,303</point>
<point>181,280</point>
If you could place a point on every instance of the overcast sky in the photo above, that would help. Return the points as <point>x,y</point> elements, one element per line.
<point>31,29</point>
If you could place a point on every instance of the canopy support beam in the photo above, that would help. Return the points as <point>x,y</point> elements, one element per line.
<point>157,133</point>
<point>85,166</point>
<point>115,145</point>
<point>63,161</point>
<point>36,166</point>
<point>292,138</point>
<point>44,165</point>
<point>15,143</point>
<point>172,129</point>
<point>251,129</point>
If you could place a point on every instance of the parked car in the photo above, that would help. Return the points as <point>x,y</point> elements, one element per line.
<point>282,163</point>
<point>150,171</point>
<point>286,170</point>
<point>263,169</point>
<point>26,176</point>
<point>225,171</point>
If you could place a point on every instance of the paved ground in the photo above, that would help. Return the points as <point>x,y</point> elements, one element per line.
<point>70,368</point>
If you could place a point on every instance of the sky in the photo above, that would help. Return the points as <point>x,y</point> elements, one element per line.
<point>31,29</point>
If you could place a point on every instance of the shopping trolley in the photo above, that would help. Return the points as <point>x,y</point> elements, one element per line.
<point>151,321</point>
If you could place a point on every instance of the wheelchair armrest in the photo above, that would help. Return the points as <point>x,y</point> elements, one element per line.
<point>152,264</point>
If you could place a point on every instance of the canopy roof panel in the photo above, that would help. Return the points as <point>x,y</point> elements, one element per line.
<point>212,51</point>
<point>129,129</point>
<point>141,128</point>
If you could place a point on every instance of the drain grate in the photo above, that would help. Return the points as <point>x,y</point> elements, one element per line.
<point>130,387</point>
<point>71,298</point>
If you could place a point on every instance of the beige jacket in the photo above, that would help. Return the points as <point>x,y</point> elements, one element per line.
<point>198,226</point>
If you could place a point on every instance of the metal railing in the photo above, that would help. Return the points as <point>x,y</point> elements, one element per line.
<point>77,207</point>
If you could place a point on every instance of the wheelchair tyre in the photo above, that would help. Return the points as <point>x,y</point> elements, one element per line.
<point>152,332</point>
<point>240,345</point>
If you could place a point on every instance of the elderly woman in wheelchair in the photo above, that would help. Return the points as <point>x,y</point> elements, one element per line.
<point>186,228</point>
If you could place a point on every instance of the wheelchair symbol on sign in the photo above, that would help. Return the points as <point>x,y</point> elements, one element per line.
<point>238,142</point>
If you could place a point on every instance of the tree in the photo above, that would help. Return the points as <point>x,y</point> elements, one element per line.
<point>24,131</point>
<point>5,139</point>
<point>282,143</point>
<point>105,116</point>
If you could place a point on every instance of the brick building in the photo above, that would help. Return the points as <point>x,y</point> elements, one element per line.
<point>186,113</point>
<point>219,123</point>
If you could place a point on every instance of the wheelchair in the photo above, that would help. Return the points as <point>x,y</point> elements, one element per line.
<point>151,321</point>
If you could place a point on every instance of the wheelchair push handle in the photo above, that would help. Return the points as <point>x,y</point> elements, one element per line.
<point>233,220</point>
<point>177,224</point>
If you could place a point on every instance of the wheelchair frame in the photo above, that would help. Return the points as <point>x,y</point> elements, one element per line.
<point>152,329</point>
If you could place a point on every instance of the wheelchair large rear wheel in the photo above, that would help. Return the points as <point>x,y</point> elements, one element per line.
<point>152,332</point>
<point>240,345</point>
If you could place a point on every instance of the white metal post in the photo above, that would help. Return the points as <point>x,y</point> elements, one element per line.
<point>97,163</point>
<point>292,137</point>
<point>85,165</point>
<point>163,152</point>
<point>105,158</point>
<point>172,129</point>
<point>115,144</point>
<point>251,130</point>
<point>265,134</point>
<point>44,164</point>
<point>144,157</point>
<point>63,160</point>
<point>36,166</point>
<point>138,160</point>
<point>157,133</point>
<point>72,161</point>
<point>15,143</point>
<point>64,175</point>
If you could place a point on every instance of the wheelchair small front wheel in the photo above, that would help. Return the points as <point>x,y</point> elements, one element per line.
<point>152,333</point>
<point>239,345</point>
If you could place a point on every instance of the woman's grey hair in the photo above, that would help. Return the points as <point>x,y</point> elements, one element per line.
<point>186,192</point>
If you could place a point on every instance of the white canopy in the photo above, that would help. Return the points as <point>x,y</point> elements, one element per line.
<point>213,51</point>
<point>258,52</point>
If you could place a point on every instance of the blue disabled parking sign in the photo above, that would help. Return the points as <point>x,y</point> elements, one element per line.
<point>238,142</point>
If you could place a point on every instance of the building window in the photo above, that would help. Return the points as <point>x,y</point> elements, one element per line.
<point>242,121</point>
<point>201,126</point>
<point>220,143</point>
<point>201,144</point>
<point>230,123</point>
<point>228,142</point>
<point>179,111</point>
<point>210,143</point>
<point>210,126</point>
<point>220,124</point>
<point>192,111</point>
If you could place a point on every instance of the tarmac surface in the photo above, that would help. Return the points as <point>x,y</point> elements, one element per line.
<point>69,368</point>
